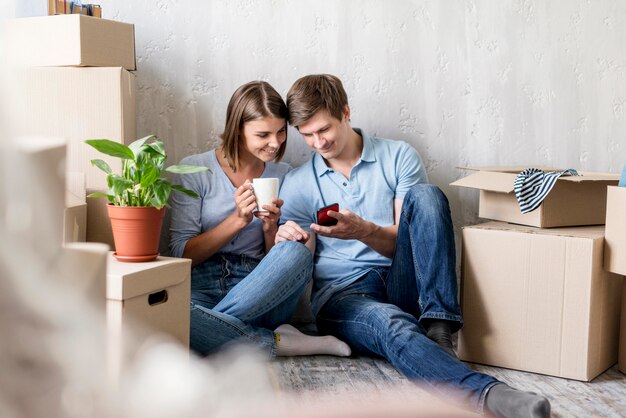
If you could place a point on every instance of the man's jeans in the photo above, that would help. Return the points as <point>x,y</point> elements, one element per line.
<point>235,299</point>
<point>385,311</point>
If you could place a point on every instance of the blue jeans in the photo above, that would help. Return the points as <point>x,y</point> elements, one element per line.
<point>385,311</point>
<point>237,299</point>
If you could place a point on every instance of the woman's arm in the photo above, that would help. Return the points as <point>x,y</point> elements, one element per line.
<point>270,222</point>
<point>204,245</point>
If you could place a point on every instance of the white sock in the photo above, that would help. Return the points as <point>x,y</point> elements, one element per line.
<point>292,342</point>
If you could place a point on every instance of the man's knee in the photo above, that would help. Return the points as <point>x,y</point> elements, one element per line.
<point>426,199</point>
<point>394,322</point>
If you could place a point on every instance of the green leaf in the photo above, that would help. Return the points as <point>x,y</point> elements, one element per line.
<point>114,149</point>
<point>119,184</point>
<point>102,165</point>
<point>135,146</point>
<point>162,189</point>
<point>187,169</point>
<point>158,147</point>
<point>149,176</point>
<point>100,194</point>
<point>141,181</point>
<point>188,192</point>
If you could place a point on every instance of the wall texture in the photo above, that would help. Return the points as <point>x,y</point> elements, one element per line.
<point>472,82</point>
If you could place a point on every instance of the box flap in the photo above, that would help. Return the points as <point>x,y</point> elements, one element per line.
<point>501,179</point>
<point>128,280</point>
<point>591,176</point>
<point>509,169</point>
<point>488,180</point>
<point>590,232</point>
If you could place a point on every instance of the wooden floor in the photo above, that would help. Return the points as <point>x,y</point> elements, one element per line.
<point>605,396</point>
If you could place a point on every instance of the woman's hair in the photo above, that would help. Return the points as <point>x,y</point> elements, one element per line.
<point>252,101</point>
<point>313,93</point>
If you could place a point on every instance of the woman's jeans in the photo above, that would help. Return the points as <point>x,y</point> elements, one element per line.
<point>236,299</point>
<point>385,312</point>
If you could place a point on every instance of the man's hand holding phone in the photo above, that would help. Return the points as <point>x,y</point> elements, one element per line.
<point>342,225</point>
<point>323,218</point>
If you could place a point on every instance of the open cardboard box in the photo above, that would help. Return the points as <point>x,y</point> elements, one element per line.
<point>539,300</point>
<point>573,201</point>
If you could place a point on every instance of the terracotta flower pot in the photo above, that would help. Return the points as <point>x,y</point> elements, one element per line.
<point>136,232</point>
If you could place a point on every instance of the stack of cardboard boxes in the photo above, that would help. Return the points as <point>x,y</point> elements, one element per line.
<point>534,292</point>
<point>73,75</point>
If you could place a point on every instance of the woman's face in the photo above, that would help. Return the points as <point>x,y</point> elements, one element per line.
<point>263,137</point>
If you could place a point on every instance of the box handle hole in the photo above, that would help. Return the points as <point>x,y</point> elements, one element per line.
<point>157,298</point>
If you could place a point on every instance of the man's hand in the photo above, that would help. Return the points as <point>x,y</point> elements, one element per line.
<point>349,226</point>
<point>291,231</point>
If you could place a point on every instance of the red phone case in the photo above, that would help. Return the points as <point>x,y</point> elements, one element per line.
<point>322,215</point>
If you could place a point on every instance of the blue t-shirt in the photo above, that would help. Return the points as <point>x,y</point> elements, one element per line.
<point>386,171</point>
<point>191,217</point>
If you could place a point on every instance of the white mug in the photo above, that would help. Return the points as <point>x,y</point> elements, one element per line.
<point>265,189</point>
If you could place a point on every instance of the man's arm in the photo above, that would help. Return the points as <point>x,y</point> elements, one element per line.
<point>291,231</point>
<point>381,239</point>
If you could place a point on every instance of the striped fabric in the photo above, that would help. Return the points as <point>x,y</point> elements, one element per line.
<point>533,185</point>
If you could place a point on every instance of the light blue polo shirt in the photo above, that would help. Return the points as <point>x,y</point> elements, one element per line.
<point>386,171</point>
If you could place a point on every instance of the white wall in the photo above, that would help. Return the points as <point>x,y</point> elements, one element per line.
<point>472,82</point>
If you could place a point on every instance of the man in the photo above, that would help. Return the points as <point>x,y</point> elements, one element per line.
<point>384,279</point>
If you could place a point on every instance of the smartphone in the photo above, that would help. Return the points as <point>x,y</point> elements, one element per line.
<point>322,215</point>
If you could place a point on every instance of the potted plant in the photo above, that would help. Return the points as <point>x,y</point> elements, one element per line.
<point>138,195</point>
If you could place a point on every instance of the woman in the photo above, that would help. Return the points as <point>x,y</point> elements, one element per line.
<point>240,290</point>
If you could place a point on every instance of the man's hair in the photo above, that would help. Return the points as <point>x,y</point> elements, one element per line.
<point>252,101</point>
<point>313,93</point>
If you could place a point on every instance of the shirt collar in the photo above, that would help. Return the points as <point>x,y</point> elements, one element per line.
<point>367,155</point>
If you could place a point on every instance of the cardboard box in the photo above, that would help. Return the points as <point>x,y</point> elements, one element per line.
<point>573,201</point>
<point>155,294</point>
<point>144,299</point>
<point>98,222</point>
<point>70,40</point>
<point>37,191</point>
<point>539,300</point>
<point>615,239</point>
<point>622,338</point>
<point>82,266</point>
<point>76,104</point>
<point>74,219</point>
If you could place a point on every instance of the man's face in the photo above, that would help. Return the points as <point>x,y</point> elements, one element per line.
<point>325,134</point>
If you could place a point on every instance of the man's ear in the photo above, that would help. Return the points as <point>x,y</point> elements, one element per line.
<point>346,113</point>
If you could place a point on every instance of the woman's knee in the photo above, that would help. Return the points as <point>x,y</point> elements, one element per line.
<point>293,249</point>
<point>296,253</point>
